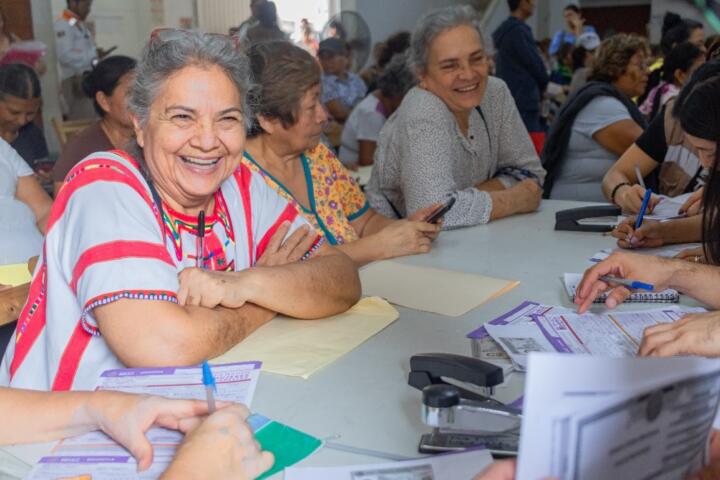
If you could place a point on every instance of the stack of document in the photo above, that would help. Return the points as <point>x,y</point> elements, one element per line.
<point>613,334</point>
<point>628,418</point>
<point>95,455</point>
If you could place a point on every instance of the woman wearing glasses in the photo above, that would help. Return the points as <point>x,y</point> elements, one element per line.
<point>114,287</point>
<point>598,123</point>
<point>456,133</point>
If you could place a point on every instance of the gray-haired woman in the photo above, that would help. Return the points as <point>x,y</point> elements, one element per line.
<point>457,133</point>
<point>362,128</point>
<point>114,287</point>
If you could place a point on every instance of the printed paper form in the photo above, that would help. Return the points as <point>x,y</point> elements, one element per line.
<point>666,251</point>
<point>235,382</point>
<point>668,207</point>
<point>457,466</point>
<point>95,453</point>
<point>434,290</point>
<point>556,403</point>
<point>613,334</point>
<point>302,347</point>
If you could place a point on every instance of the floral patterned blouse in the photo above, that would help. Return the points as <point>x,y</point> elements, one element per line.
<point>335,198</point>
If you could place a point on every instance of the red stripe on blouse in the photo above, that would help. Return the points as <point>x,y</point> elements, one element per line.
<point>289,214</point>
<point>243,177</point>
<point>117,250</point>
<point>31,322</point>
<point>100,169</point>
<point>70,360</point>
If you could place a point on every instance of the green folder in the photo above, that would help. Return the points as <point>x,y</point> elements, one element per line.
<point>289,446</point>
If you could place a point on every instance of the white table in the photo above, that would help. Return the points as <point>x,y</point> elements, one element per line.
<point>364,397</point>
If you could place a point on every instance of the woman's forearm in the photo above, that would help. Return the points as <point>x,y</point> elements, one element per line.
<point>363,250</point>
<point>702,282</point>
<point>682,230</point>
<point>321,286</point>
<point>41,417</point>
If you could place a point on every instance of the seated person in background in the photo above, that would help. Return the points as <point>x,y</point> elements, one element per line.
<point>697,334</point>
<point>597,123</point>
<point>582,58</point>
<point>362,129</point>
<point>677,69</point>
<point>341,88</point>
<point>662,145</point>
<point>285,149</point>
<point>113,287</point>
<point>457,133</point>
<point>396,43</point>
<point>24,209</point>
<point>20,99</point>
<point>107,84</point>
<point>219,446</point>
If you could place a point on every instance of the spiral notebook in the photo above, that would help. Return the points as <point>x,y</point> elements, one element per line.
<point>572,280</point>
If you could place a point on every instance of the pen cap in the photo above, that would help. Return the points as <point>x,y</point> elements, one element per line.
<point>208,378</point>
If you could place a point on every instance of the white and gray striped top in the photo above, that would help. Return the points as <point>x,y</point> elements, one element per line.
<point>422,157</point>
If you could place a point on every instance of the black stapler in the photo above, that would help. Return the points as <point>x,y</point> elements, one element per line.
<point>571,219</point>
<point>460,418</point>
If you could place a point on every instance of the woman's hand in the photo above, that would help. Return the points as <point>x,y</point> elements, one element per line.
<point>405,237</point>
<point>654,270</point>
<point>630,199</point>
<point>649,235</point>
<point>695,255</point>
<point>206,288</point>
<point>693,205</point>
<point>527,196</point>
<point>222,446</point>
<point>126,417</point>
<point>424,213</point>
<point>281,251</point>
<point>694,334</point>
<point>500,470</point>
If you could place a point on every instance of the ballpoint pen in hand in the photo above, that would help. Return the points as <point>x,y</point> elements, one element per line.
<point>643,209</point>
<point>210,387</point>
<point>633,284</point>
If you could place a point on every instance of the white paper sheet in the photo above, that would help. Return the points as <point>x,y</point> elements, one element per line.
<point>593,418</point>
<point>98,455</point>
<point>457,466</point>
<point>668,207</point>
<point>612,334</point>
<point>666,251</point>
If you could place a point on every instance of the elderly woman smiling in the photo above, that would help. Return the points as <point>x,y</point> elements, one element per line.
<point>457,133</point>
<point>113,286</point>
<point>285,148</point>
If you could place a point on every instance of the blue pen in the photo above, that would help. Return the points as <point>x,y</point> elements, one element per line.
<point>643,208</point>
<point>210,387</point>
<point>633,284</point>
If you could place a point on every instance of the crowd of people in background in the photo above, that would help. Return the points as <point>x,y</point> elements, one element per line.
<point>251,142</point>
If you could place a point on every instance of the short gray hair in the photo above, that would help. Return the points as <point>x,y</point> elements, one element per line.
<point>162,58</point>
<point>433,24</point>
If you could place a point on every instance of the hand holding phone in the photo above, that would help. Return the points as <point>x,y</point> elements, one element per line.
<point>438,214</point>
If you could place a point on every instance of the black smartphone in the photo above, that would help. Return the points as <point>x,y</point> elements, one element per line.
<point>440,212</point>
